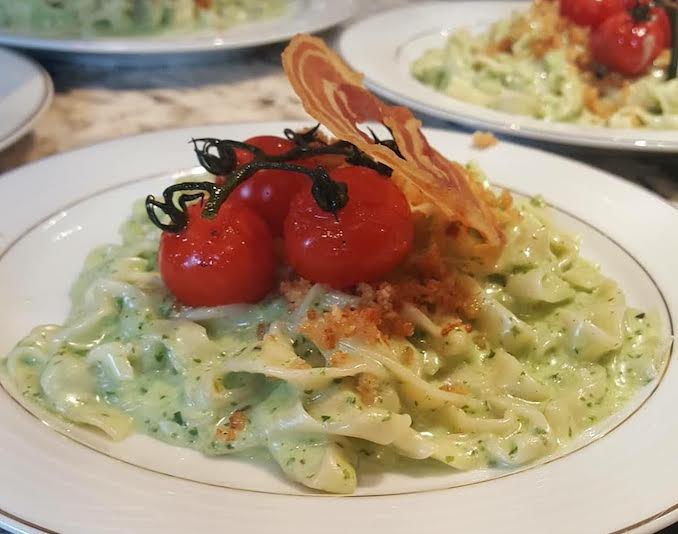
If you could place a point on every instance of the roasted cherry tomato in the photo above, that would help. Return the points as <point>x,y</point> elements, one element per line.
<point>663,23</point>
<point>628,42</point>
<point>366,239</point>
<point>270,144</point>
<point>269,193</point>
<point>274,146</point>
<point>643,9</point>
<point>590,12</point>
<point>224,260</point>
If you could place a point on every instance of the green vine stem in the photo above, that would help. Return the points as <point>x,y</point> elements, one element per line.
<point>224,161</point>
<point>218,156</point>
<point>331,196</point>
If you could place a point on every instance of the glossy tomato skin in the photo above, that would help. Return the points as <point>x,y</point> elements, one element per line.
<point>664,25</point>
<point>628,46</point>
<point>591,12</point>
<point>657,15</point>
<point>270,144</point>
<point>269,193</point>
<point>368,238</point>
<point>224,260</point>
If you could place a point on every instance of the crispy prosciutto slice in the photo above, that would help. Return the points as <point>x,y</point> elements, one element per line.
<point>333,94</point>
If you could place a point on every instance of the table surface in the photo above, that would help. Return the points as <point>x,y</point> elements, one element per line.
<point>94,103</point>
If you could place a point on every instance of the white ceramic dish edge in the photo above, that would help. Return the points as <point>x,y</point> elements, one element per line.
<point>38,109</point>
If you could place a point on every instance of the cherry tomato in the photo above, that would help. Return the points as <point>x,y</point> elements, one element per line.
<point>224,260</point>
<point>627,44</point>
<point>270,144</point>
<point>662,19</point>
<point>274,146</point>
<point>590,12</point>
<point>269,193</point>
<point>368,237</point>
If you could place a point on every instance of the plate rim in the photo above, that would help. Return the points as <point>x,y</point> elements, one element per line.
<point>659,519</point>
<point>514,125</point>
<point>38,110</point>
<point>341,10</point>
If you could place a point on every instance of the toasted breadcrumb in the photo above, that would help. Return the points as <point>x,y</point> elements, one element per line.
<point>294,290</point>
<point>383,298</point>
<point>430,283</point>
<point>452,325</point>
<point>555,31</point>
<point>236,422</point>
<point>426,281</point>
<point>482,140</point>
<point>218,386</point>
<point>454,388</point>
<point>407,356</point>
<point>338,359</point>
<point>299,363</point>
<point>327,329</point>
<point>368,388</point>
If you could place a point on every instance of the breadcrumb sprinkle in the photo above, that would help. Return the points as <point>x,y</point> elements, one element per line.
<point>454,388</point>
<point>338,359</point>
<point>294,290</point>
<point>426,280</point>
<point>367,388</point>
<point>236,423</point>
<point>326,329</point>
<point>483,140</point>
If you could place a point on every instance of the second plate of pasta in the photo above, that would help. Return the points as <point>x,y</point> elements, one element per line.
<point>439,58</point>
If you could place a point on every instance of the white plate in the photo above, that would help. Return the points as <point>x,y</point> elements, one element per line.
<point>621,476</point>
<point>385,58</point>
<point>301,16</point>
<point>25,93</point>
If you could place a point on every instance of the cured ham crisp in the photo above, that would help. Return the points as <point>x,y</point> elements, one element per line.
<point>333,94</point>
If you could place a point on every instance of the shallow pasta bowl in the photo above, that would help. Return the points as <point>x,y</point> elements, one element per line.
<point>67,479</point>
<point>385,58</point>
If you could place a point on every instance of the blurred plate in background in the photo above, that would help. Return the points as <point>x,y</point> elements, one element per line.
<point>25,93</point>
<point>300,16</point>
<point>384,57</point>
